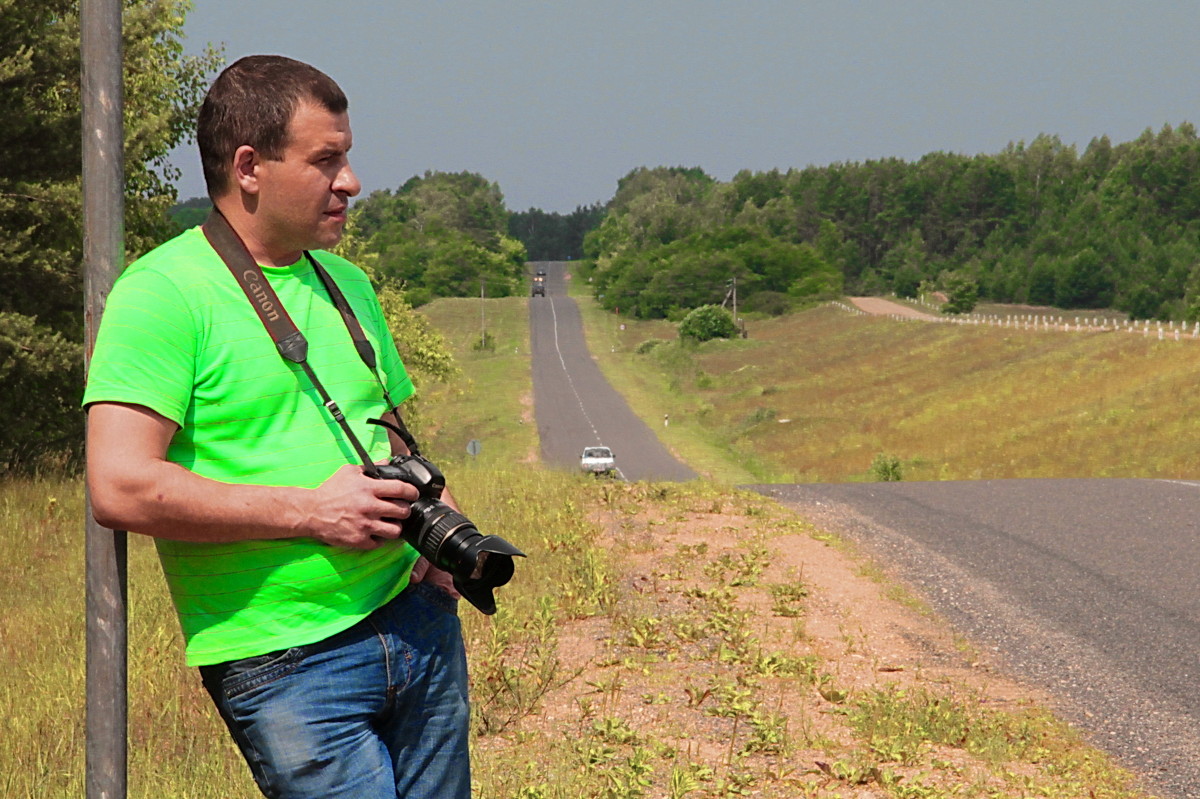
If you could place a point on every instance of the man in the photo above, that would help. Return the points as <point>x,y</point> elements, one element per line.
<point>333,653</point>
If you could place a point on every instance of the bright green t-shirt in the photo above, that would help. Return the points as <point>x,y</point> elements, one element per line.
<point>180,337</point>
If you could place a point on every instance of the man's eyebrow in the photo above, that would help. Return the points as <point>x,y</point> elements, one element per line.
<point>329,150</point>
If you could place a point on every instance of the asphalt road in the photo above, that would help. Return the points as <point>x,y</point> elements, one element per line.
<point>1086,588</point>
<point>574,405</point>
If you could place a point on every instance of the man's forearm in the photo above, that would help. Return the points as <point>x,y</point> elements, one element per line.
<point>165,500</point>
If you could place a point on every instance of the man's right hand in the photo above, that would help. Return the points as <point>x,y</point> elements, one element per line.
<point>356,511</point>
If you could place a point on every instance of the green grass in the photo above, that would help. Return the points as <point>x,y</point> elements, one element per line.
<point>818,396</point>
<point>492,402</point>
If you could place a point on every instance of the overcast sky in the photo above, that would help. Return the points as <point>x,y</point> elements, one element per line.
<point>555,101</point>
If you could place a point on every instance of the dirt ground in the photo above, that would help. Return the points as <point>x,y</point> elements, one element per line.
<point>882,307</point>
<point>699,626</point>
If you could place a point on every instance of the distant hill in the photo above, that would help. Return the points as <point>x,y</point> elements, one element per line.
<point>190,213</point>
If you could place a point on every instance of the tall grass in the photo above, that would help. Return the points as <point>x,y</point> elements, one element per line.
<point>177,745</point>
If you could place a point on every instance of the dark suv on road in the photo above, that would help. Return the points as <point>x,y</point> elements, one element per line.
<point>539,284</point>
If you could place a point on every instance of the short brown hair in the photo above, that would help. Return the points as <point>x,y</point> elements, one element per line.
<point>251,102</point>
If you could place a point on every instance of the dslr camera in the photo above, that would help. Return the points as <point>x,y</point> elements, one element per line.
<point>478,563</point>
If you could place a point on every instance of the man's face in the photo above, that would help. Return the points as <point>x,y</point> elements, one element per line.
<point>303,198</point>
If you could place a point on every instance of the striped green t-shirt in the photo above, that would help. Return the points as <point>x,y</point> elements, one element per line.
<point>180,337</point>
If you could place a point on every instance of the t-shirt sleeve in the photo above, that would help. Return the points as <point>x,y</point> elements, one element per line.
<point>145,348</point>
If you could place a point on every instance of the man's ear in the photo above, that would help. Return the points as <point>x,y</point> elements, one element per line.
<point>245,168</point>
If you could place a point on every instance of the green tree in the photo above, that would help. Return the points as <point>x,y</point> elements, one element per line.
<point>424,350</point>
<point>442,235</point>
<point>190,213</point>
<point>1119,225</point>
<point>40,195</point>
<point>1042,279</point>
<point>1083,281</point>
<point>693,271</point>
<point>653,207</point>
<point>962,294</point>
<point>549,236</point>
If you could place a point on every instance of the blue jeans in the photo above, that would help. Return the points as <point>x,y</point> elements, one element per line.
<point>378,710</point>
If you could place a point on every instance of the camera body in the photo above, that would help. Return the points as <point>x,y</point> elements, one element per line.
<point>447,538</point>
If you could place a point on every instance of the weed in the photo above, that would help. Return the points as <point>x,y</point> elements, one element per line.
<point>787,598</point>
<point>886,468</point>
<point>645,633</point>
<point>683,782</point>
<point>776,664</point>
<point>759,416</point>
<point>615,731</point>
<point>899,723</point>
<point>486,343</point>
<point>769,734</point>
<point>739,570</point>
<point>689,631</point>
<point>517,667</point>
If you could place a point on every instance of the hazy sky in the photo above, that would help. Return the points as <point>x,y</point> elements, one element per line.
<point>555,101</point>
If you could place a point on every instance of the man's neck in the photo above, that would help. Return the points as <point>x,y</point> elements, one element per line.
<point>245,224</point>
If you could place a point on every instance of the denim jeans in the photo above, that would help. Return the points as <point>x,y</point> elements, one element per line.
<point>378,710</point>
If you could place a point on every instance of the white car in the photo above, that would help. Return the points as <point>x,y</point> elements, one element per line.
<point>597,460</point>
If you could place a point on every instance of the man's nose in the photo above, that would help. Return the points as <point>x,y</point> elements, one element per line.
<point>347,182</point>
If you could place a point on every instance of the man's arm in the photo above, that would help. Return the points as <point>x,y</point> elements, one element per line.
<point>134,487</point>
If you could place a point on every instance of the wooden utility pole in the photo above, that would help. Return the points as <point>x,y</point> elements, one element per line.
<point>735,290</point>
<point>103,258</point>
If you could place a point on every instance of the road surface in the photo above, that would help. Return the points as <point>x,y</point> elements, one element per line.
<point>574,405</point>
<point>1088,588</point>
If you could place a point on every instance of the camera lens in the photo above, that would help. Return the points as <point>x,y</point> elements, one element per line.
<point>451,542</point>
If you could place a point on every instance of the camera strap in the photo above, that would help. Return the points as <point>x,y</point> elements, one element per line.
<point>283,331</point>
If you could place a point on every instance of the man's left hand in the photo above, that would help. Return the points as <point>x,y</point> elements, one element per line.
<point>425,572</point>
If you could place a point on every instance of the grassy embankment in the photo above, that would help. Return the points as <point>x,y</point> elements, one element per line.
<point>816,396</point>
<point>656,643</point>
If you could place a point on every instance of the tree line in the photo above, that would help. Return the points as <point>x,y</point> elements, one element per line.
<point>41,233</point>
<point>1115,226</point>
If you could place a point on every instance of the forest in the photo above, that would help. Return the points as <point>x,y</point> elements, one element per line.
<point>1116,226</point>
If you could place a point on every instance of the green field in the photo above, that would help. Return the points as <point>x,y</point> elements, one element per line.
<point>818,395</point>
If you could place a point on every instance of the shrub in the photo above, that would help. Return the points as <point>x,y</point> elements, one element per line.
<point>962,295</point>
<point>648,345</point>
<point>772,303</point>
<point>887,469</point>
<point>707,322</point>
